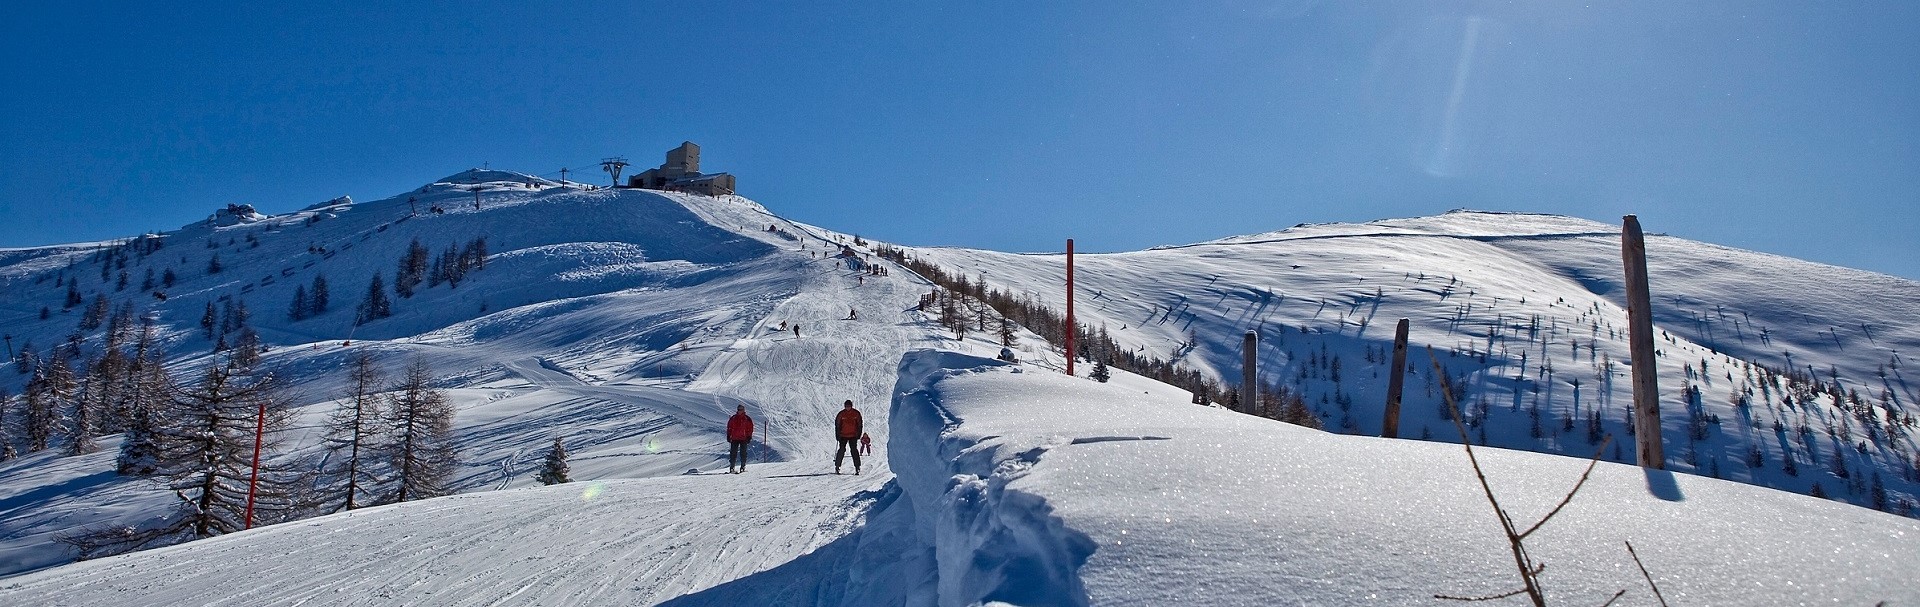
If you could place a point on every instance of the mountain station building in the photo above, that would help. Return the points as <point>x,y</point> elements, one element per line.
<point>681,173</point>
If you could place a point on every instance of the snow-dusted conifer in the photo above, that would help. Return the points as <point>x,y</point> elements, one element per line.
<point>209,321</point>
<point>47,394</point>
<point>319,295</point>
<point>96,313</point>
<point>376,305</point>
<point>95,393</point>
<point>208,447</point>
<point>420,447</point>
<point>413,268</point>
<point>298,309</point>
<point>354,436</point>
<point>7,414</point>
<point>554,471</point>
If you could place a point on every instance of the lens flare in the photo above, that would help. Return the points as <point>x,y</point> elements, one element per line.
<point>592,491</point>
<point>653,445</point>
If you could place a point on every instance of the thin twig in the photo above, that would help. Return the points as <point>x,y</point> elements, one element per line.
<point>1616,597</point>
<point>1520,559</point>
<point>1643,573</point>
<point>1516,592</point>
<point>1576,488</point>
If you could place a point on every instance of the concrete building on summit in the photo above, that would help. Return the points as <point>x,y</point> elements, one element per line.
<point>681,173</point>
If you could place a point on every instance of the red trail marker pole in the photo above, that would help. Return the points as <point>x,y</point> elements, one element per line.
<point>253,480</point>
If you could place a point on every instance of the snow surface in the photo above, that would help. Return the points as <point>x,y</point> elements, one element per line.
<point>1527,308</point>
<point>1052,490</point>
<point>632,322</point>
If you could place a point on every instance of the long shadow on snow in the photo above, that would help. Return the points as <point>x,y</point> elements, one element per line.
<point>815,579</point>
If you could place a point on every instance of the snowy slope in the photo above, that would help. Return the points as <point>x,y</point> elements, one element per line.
<point>632,322</point>
<point>1527,310</point>
<point>1049,490</point>
<point>629,323</point>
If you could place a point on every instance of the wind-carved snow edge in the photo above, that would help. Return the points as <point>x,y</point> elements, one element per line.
<point>989,542</point>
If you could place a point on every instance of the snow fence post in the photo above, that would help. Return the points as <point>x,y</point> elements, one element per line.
<point>1070,327</point>
<point>1390,424</point>
<point>1249,348</point>
<point>1646,389</point>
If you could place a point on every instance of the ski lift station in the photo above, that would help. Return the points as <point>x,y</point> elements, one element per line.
<point>680,173</point>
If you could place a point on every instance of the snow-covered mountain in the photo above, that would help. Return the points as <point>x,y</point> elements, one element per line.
<point>630,323</point>
<point>1528,311</point>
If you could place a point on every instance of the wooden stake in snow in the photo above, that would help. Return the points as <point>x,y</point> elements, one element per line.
<point>1249,345</point>
<point>1070,327</point>
<point>1646,388</point>
<point>1390,426</point>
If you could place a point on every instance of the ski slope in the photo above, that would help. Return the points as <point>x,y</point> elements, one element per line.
<point>631,323</point>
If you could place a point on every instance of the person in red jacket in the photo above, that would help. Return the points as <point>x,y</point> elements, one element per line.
<point>846,427</point>
<point>739,435</point>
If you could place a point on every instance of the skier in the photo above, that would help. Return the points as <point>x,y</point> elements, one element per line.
<point>739,435</point>
<point>846,428</point>
<point>796,330</point>
<point>866,444</point>
<point>853,314</point>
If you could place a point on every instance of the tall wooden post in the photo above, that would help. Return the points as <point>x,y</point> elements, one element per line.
<point>1390,425</point>
<point>1646,388</point>
<point>253,478</point>
<point>1249,391</point>
<point>1070,325</point>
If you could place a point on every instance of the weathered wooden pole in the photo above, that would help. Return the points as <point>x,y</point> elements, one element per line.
<point>1390,425</point>
<point>1646,384</point>
<point>1249,391</point>
<point>1070,327</point>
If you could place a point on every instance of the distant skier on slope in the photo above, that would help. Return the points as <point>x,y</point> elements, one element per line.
<point>866,444</point>
<point>739,435</point>
<point>847,428</point>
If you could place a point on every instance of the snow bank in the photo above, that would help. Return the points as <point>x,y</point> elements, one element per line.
<point>1036,488</point>
<point>989,543</point>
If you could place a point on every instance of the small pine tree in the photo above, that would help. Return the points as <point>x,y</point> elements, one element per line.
<point>354,434</point>
<point>318,296</point>
<point>376,305</point>
<point>554,471</point>
<point>208,321</point>
<point>413,267</point>
<point>420,450</point>
<point>301,306</point>
<point>213,264</point>
<point>1100,373</point>
<point>167,278</point>
<point>96,313</point>
<point>140,450</point>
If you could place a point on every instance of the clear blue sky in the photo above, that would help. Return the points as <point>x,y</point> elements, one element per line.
<point>1785,127</point>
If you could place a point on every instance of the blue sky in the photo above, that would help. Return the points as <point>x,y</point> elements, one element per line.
<point>1786,127</point>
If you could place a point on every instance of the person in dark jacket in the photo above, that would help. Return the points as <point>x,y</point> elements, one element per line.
<point>847,428</point>
<point>739,435</point>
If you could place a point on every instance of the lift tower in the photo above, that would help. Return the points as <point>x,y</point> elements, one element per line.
<point>613,166</point>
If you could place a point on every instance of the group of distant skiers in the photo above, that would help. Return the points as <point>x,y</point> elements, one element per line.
<point>848,430</point>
